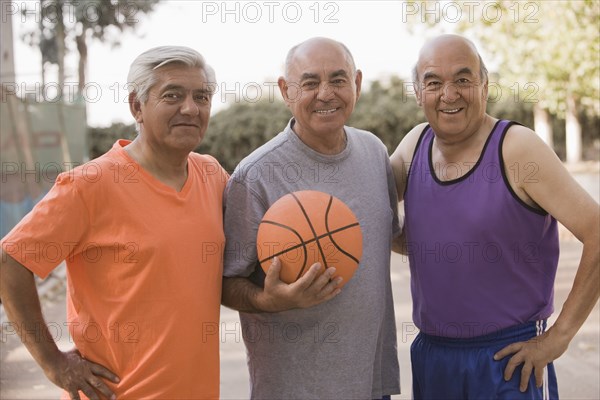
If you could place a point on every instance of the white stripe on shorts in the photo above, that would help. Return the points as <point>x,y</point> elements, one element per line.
<point>545,390</point>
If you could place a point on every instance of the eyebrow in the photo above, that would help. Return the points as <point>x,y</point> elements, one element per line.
<point>308,75</point>
<point>465,70</point>
<point>311,75</point>
<point>180,87</point>
<point>339,72</point>
<point>462,71</point>
<point>430,75</point>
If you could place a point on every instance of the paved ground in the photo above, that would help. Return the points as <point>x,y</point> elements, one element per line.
<point>578,369</point>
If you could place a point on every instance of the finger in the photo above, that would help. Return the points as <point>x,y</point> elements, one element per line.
<point>508,350</point>
<point>308,278</point>
<point>104,372</point>
<point>272,276</point>
<point>539,376</point>
<point>332,294</point>
<point>513,363</point>
<point>525,374</point>
<point>325,279</point>
<point>74,395</point>
<point>89,391</point>
<point>100,386</point>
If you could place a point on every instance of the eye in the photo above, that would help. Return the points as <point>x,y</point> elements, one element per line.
<point>463,82</point>
<point>432,85</point>
<point>338,81</point>
<point>310,85</point>
<point>171,96</point>
<point>202,98</point>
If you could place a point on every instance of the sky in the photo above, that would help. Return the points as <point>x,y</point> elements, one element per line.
<point>244,41</point>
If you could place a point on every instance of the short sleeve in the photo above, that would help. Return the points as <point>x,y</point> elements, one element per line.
<point>243,213</point>
<point>393,195</point>
<point>52,231</point>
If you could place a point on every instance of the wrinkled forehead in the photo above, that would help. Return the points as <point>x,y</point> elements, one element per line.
<point>320,59</point>
<point>178,74</point>
<point>447,56</point>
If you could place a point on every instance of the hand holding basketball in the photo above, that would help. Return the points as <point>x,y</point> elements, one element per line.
<point>311,289</point>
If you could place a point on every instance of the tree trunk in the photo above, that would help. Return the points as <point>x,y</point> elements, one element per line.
<point>573,130</point>
<point>83,53</point>
<point>542,124</point>
<point>60,46</point>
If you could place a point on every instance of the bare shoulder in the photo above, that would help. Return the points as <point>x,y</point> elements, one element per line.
<point>405,150</point>
<point>539,178</point>
<point>520,141</point>
<point>528,159</point>
<point>402,157</point>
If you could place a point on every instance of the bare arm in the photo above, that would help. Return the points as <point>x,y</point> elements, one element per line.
<point>311,289</point>
<point>554,190</point>
<point>67,370</point>
<point>400,160</point>
<point>399,244</point>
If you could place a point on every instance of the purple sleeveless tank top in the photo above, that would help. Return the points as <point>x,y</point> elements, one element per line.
<point>480,258</point>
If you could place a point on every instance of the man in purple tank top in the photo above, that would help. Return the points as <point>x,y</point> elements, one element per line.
<point>481,201</point>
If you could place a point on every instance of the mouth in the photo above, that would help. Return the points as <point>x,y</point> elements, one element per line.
<point>326,111</point>
<point>186,125</point>
<point>451,111</point>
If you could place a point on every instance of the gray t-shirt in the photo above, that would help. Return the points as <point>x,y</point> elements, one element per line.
<point>344,348</point>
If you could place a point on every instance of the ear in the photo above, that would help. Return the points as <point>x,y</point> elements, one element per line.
<point>358,82</point>
<point>284,90</point>
<point>485,90</point>
<point>417,90</point>
<point>135,107</point>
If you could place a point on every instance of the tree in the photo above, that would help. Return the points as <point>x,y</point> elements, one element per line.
<point>236,131</point>
<point>102,20</point>
<point>547,55</point>
<point>49,36</point>
<point>80,20</point>
<point>389,110</point>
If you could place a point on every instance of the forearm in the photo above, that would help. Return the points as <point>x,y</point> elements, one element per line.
<point>21,302</point>
<point>584,293</point>
<point>399,244</point>
<point>242,295</point>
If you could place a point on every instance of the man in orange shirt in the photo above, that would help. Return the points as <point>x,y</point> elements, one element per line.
<point>141,231</point>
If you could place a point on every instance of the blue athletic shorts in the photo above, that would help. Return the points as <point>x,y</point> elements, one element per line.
<point>447,368</point>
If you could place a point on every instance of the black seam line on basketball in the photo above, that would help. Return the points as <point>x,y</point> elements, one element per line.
<point>331,237</point>
<point>312,228</point>
<point>303,243</point>
<point>295,247</point>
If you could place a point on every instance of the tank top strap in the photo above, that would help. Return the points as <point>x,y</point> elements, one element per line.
<point>492,150</point>
<point>421,153</point>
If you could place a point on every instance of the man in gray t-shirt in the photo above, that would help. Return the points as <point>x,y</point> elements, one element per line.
<point>309,339</point>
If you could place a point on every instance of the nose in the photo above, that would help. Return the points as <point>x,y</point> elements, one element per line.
<point>325,92</point>
<point>450,93</point>
<point>189,106</point>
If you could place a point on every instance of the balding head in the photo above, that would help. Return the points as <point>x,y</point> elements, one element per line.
<point>456,43</point>
<point>310,44</point>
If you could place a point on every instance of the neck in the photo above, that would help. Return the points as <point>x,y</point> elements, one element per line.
<point>170,169</point>
<point>330,144</point>
<point>462,147</point>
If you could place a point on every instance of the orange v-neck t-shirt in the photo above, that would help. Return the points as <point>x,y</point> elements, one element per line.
<point>144,268</point>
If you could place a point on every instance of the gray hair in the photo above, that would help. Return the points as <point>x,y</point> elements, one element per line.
<point>142,75</point>
<point>290,55</point>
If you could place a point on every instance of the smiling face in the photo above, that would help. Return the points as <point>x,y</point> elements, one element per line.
<point>450,88</point>
<point>176,114</point>
<point>321,89</point>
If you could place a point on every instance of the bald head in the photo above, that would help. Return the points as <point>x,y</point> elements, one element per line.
<point>310,44</point>
<point>444,42</point>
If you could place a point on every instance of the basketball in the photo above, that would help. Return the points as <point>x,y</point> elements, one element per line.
<point>305,227</point>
